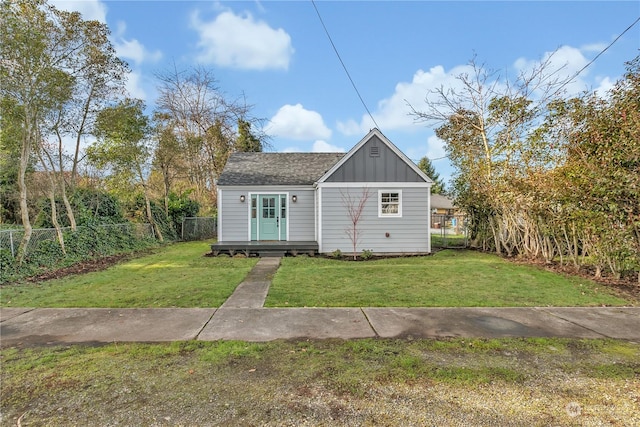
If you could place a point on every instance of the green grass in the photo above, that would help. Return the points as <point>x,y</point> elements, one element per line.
<point>178,275</point>
<point>447,279</point>
<point>448,240</point>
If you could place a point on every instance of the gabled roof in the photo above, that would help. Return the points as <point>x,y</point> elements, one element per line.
<point>376,133</point>
<point>276,168</point>
<point>439,201</point>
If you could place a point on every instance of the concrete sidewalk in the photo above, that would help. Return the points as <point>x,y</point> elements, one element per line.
<point>242,317</point>
<point>49,326</point>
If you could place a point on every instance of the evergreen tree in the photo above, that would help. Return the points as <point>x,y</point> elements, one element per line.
<point>426,166</point>
<point>246,141</point>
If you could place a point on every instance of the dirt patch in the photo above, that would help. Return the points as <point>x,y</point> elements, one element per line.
<point>88,266</point>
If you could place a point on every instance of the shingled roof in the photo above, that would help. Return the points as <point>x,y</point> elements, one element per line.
<point>276,168</point>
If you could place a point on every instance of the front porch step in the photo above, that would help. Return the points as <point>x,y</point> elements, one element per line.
<point>265,249</point>
<point>264,254</point>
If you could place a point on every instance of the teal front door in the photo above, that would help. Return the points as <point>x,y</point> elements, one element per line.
<point>269,218</point>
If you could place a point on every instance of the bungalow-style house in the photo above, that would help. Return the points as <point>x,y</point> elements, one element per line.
<point>300,202</point>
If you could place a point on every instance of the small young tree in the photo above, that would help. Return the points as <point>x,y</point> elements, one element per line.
<point>355,205</point>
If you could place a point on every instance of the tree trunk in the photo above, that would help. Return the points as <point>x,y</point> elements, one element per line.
<point>51,193</point>
<point>25,153</point>
<point>156,229</point>
<point>63,184</point>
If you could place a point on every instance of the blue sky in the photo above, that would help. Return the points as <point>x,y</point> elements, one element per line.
<point>278,56</point>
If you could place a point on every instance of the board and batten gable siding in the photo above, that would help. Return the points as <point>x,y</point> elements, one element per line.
<point>374,162</point>
<point>408,234</point>
<point>235,224</point>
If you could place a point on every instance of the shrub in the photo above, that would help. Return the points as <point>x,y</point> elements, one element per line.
<point>337,254</point>
<point>46,254</point>
<point>366,254</point>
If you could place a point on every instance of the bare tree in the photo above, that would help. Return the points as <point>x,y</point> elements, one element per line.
<point>355,205</point>
<point>204,122</point>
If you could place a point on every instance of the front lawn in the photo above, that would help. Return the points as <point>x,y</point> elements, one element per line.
<point>178,275</point>
<point>448,278</point>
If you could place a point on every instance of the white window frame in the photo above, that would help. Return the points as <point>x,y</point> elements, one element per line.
<point>382,214</point>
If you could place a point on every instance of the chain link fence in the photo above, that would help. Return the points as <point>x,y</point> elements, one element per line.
<point>199,228</point>
<point>449,231</point>
<point>10,239</point>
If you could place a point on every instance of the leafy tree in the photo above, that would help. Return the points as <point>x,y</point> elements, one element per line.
<point>10,136</point>
<point>99,78</point>
<point>487,126</point>
<point>123,136</point>
<point>426,166</point>
<point>603,172</point>
<point>56,68</point>
<point>167,158</point>
<point>35,44</point>
<point>542,176</point>
<point>181,207</point>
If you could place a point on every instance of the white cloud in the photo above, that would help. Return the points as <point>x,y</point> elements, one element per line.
<point>319,146</point>
<point>604,86</point>
<point>89,9</point>
<point>394,112</point>
<point>133,49</point>
<point>562,63</point>
<point>240,41</point>
<point>435,148</point>
<point>295,122</point>
<point>324,147</point>
<point>134,85</point>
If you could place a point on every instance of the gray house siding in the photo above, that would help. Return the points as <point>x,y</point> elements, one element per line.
<point>235,214</point>
<point>301,216</point>
<point>374,162</point>
<point>407,234</point>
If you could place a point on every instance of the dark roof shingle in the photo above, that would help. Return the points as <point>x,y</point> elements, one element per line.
<point>277,168</point>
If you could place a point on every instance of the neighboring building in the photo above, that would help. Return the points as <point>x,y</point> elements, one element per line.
<point>442,205</point>
<point>299,201</point>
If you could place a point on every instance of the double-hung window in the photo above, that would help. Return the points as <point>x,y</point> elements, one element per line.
<point>389,203</point>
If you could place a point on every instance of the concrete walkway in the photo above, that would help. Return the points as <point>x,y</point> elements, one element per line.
<point>242,317</point>
<point>252,292</point>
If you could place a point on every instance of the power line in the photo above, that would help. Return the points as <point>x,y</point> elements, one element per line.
<point>596,57</point>
<point>343,65</point>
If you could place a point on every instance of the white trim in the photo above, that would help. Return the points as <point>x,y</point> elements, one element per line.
<point>319,224</point>
<point>248,200</point>
<point>271,188</point>
<point>385,141</point>
<point>374,184</point>
<point>315,215</point>
<point>219,203</point>
<point>389,215</point>
<point>289,203</point>
<point>429,221</point>
<point>279,212</point>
